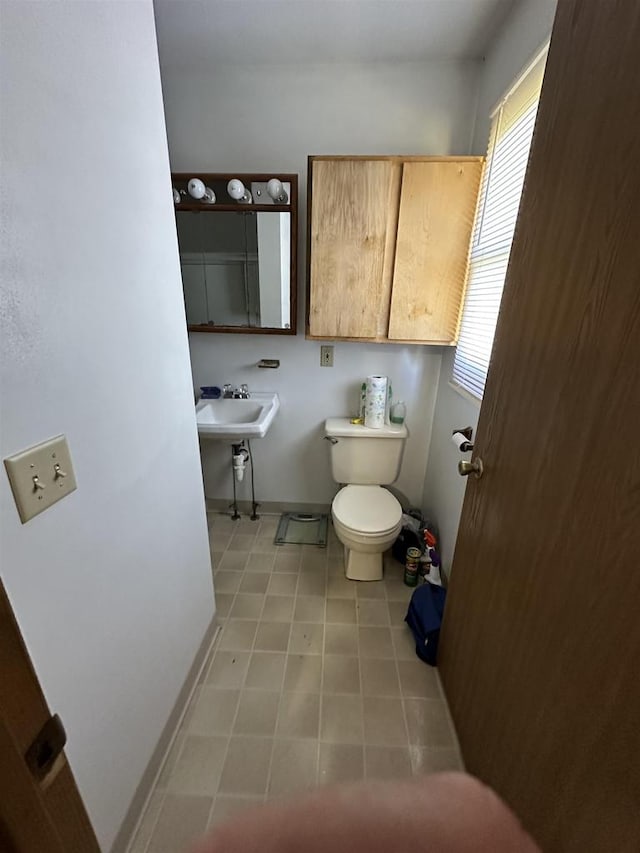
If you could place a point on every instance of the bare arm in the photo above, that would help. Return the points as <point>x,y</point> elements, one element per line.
<point>443,813</point>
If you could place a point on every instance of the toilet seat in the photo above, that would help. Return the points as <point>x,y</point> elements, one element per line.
<point>368,511</point>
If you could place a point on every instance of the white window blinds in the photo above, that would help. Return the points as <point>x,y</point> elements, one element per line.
<point>498,202</point>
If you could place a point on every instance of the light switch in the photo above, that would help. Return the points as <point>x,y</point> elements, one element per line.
<point>326,356</point>
<point>40,476</point>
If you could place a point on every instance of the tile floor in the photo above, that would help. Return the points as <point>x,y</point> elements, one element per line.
<point>312,680</point>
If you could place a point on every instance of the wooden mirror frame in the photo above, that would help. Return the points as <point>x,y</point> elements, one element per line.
<point>180,179</point>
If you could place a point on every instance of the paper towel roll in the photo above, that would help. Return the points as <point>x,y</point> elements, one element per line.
<point>375,402</point>
<point>461,442</point>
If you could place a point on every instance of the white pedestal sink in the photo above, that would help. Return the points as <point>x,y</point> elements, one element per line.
<point>232,420</point>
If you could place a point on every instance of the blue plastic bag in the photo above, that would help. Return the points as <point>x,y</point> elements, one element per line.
<point>210,392</point>
<point>424,617</point>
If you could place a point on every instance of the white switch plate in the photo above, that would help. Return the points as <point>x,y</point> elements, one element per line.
<point>40,476</point>
<point>326,356</point>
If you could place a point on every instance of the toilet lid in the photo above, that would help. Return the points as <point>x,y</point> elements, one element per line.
<point>367,509</point>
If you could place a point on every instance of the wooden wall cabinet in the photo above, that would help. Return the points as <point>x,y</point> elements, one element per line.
<point>388,246</point>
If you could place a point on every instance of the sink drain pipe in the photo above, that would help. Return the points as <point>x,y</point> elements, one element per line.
<point>240,455</point>
<point>240,459</point>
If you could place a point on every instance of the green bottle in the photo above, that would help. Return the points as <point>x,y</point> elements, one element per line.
<point>398,413</point>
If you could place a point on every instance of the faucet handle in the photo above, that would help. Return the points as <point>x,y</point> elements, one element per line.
<point>244,390</point>
<point>226,390</point>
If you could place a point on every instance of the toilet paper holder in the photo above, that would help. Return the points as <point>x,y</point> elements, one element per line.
<point>467,432</point>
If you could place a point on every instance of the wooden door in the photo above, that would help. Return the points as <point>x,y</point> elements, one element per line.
<point>540,651</point>
<point>352,229</point>
<point>43,814</point>
<point>437,207</point>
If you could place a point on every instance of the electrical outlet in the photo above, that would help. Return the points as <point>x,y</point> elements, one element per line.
<point>40,476</point>
<point>326,356</point>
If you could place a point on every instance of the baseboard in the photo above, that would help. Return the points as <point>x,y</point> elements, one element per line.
<point>452,726</point>
<point>129,825</point>
<point>267,507</point>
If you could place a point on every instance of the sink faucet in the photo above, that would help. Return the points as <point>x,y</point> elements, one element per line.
<point>241,393</point>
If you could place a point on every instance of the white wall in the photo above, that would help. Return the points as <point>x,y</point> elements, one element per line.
<point>292,461</point>
<point>270,118</point>
<point>111,586</point>
<point>524,31</point>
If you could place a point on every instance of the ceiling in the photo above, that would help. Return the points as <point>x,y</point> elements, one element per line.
<point>200,34</point>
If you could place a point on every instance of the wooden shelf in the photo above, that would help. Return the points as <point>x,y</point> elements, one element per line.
<point>233,208</point>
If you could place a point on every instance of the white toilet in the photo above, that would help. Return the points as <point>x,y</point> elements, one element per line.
<point>366,517</point>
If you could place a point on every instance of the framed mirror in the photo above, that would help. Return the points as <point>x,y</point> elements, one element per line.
<point>237,237</point>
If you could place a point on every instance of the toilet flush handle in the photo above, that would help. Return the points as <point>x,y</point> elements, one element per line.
<point>331,439</point>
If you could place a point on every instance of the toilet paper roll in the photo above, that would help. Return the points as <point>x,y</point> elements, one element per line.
<point>461,442</point>
<point>375,401</point>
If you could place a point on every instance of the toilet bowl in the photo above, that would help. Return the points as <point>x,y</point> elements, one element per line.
<point>367,520</point>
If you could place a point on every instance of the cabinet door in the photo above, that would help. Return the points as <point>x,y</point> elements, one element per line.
<point>437,207</point>
<point>354,208</point>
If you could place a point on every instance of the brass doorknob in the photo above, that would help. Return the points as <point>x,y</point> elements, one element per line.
<point>466,468</point>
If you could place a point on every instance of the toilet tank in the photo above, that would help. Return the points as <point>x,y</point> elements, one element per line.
<point>363,456</point>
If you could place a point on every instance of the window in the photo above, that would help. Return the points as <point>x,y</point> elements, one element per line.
<point>498,202</point>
